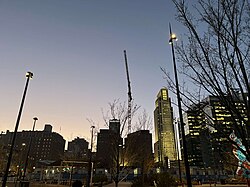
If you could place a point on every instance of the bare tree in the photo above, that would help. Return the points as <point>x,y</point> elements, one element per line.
<point>122,158</point>
<point>215,59</point>
<point>118,110</point>
<point>144,122</point>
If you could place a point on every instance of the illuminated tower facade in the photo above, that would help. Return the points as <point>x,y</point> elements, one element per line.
<point>207,124</point>
<point>164,147</point>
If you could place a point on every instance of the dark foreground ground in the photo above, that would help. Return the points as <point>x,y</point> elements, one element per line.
<point>121,184</point>
<point>127,184</point>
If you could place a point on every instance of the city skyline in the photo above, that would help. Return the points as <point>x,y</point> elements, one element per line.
<point>75,50</point>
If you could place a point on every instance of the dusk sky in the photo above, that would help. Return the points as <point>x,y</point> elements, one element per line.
<point>75,50</point>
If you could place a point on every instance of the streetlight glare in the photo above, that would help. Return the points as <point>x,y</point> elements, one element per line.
<point>172,38</point>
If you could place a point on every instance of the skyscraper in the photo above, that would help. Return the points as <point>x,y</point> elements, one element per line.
<point>164,130</point>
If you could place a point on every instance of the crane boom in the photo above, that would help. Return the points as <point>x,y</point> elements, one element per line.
<point>129,93</point>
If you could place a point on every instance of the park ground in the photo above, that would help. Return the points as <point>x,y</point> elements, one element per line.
<point>125,184</point>
<point>128,184</point>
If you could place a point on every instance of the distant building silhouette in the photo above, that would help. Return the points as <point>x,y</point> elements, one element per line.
<point>164,130</point>
<point>78,148</point>
<point>107,144</point>
<point>138,146</point>
<point>46,145</point>
<point>114,126</point>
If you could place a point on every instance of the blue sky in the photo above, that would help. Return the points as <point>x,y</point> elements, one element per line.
<point>75,50</point>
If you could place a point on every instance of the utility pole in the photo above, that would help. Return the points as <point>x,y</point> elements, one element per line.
<point>185,155</point>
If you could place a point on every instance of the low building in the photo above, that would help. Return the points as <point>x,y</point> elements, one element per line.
<point>45,145</point>
<point>77,149</point>
<point>108,141</point>
<point>138,148</point>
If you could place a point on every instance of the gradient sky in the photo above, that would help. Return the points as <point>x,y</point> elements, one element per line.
<point>75,50</point>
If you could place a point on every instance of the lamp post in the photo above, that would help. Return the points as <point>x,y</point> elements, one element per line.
<point>20,163</point>
<point>117,162</point>
<point>29,76</point>
<point>176,128</point>
<point>185,155</point>
<point>27,156</point>
<point>90,159</point>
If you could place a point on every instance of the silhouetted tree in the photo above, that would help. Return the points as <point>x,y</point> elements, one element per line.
<point>122,158</point>
<point>215,59</point>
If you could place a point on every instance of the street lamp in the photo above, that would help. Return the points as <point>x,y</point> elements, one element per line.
<point>173,38</point>
<point>22,150</point>
<point>29,76</point>
<point>176,128</point>
<point>90,159</point>
<point>27,156</point>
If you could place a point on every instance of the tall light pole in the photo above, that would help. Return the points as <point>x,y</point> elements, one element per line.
<point>117,160</point>
<point>176,137</point>
<point>90,158</point>
<point>29,76</point>
<point>27,156</point>
<point>185,155</point>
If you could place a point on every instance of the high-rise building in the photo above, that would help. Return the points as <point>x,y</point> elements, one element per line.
<point>193,124</point>
<point>164,146</point>
<point>207,126</point>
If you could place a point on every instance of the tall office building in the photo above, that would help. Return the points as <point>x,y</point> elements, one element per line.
<point>164,147</point>
<point>208,124</point>
<point>193,120</point>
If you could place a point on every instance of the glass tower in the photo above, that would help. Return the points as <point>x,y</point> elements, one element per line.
<point>164,130</point>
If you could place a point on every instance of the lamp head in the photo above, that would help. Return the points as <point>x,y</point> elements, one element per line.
<point>172,38</point>
<point>35,118</point>
<point>29,74</point>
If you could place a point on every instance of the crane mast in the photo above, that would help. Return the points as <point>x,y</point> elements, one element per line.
<point>129,94</point>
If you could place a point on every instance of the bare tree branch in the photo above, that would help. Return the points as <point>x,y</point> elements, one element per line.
<point>215,59</point>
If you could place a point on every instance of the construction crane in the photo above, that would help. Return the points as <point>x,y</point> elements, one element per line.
<point>129,94</point>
